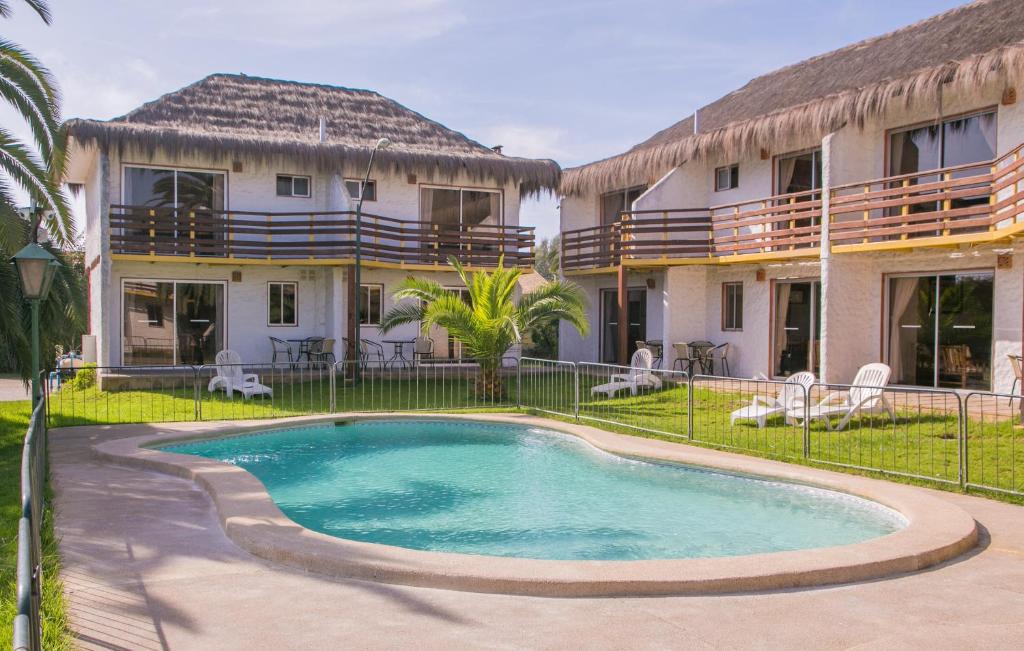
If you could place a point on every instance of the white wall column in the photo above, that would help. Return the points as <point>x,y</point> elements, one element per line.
<point>684,313</point>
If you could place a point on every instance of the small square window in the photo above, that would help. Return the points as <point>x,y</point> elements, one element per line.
<point>353,185</point>
<point>727,178</point>
<point>732,306</point>
<point>292,186</point>
<point>370,304</point>
<point>281,304</point>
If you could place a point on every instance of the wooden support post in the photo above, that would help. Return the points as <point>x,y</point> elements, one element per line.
<point>353,346</point>
<point>622,347</point>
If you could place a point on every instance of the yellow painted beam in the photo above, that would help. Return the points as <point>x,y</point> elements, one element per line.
<point>297,262</point>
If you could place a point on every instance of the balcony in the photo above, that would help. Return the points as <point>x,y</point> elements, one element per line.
<point>977,203</point>
<point>240,237</point>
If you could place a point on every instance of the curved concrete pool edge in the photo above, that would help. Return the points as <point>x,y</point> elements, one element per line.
<point>936,531</point>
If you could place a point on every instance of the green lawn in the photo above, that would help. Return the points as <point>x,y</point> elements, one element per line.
<point>14,417</point>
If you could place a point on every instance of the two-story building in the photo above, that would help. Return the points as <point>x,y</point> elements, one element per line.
<point>223,214</point>
<point>862,205</point>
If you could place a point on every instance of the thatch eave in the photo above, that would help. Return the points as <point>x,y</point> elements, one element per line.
<point>532,175</point>
<point>813,119</point>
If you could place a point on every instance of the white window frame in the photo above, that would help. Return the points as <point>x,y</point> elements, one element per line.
<point>369,322</point>
<point>734,173</point>
<point>462,189</point>
<point>309,185</point>
<point>295,315</point>
<point>359,186</point>
<point>174,306</point>
<point>737,307</point>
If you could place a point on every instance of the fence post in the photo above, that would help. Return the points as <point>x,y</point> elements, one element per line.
<point>807,422</point>
<point>333,383</point>
<point>962,404</point>
<point>576,390</point>
<point>519,384</point>
<point>689,406</point>
<point>196,395</point>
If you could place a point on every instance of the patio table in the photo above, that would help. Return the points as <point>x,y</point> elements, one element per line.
<point>303,346</point>
<point>398,357</point>
<point>657,348</point>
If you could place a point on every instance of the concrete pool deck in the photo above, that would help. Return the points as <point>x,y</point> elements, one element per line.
<point>147,565</point>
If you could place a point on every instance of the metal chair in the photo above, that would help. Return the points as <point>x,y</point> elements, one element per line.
<point>281,347</point>
<point>701,352</point>
<point>422,348</point>
<point>369,349</point>
<point>1018,374</point>
<point>722,351</point>
<point>683,358</point>
<point>322,352</point>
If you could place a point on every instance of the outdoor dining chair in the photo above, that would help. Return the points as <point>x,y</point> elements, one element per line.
<point>422,348</point>
<point>1018,374</point>
<point>281,348</point>
<point>368,350</point>
<point>721,351</point>
<point>322,352</point>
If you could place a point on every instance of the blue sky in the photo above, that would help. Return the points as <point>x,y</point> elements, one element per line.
<point>563,79</point>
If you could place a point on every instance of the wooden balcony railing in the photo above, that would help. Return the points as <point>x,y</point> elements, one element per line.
<point>138,230</point>
<point>980,201</point>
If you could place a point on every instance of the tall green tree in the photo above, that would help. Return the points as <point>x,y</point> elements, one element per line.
<point>491,321</point>
<point>547,257</point>
<point>37,168</point>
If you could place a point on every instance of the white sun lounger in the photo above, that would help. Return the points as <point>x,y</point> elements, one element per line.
<point>866,395</point>
<point>639,375</point>
<point>231,378</point>
<point>790,397</point>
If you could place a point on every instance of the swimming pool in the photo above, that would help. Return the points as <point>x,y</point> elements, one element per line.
<point>500,489</point>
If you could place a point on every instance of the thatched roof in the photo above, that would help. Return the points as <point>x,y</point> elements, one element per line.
<point>961,49</point>
<point>269,118</point>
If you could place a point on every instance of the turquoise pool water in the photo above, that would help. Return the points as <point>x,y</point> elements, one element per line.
<point>510,490</point>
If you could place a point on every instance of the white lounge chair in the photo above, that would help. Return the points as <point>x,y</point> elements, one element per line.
<point>639,375</point>
<point>866,395</point>
<point>231,378</point>
<point>789,398</point>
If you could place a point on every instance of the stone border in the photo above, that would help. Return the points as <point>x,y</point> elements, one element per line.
<point>936,531</point>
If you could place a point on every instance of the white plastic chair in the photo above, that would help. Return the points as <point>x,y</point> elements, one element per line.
<point>790,398</point>
<point>231,378</point>
<point>866,395</point>
<point>639,375</point>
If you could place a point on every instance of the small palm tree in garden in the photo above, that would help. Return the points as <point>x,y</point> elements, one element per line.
<point>491,321</point>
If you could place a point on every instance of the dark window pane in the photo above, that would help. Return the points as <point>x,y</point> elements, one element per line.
<point>370,305</point>
<point>148,323</point>
<point>288,304</point>
<point>915,150</point>
<point>274,303</point>
<point>439,206</point>
<point>969,140</point>
<point>200,191</point>
<point>370,193</point>
<point>284,186</point>
<point>149,187</point>
<point>300,186</point>
<point>612,204</point>
<point>480,207</point>
<point>200,326</point>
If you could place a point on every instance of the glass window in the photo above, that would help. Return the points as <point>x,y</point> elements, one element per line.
<point>732,306</point>
<point>370,304</point>
<point>281,303</point>
<point>289,185</point>
<point>727,178</point>
<point>188,189</point>
<point>352,187</point>
<point>959,141</point>
<point>455,206</point>
<point>615,203</point>
<point>798,172</point>
<point>167,322</point>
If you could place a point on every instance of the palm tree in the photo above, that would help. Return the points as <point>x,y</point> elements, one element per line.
<point>38,169</point>
<point>490,322</point>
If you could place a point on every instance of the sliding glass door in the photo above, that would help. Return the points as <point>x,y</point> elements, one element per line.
<point>940,330</point>
<point>637,311</point>
<point>168,322</point>
<point>796,327</point>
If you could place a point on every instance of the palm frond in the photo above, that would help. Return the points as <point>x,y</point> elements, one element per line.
<point>401,314</point>
<point>26,170</point>
<point>41,7</point>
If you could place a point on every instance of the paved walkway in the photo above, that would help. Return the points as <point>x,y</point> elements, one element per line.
<point>148,567</point>
<point>12,388</point>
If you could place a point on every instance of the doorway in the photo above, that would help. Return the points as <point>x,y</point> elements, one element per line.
<point>797,327</point>
<point>637,314</point>
<point>940,330</point>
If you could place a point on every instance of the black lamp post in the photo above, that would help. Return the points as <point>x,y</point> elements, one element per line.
<point>383,143</point>
<point>36,268</point>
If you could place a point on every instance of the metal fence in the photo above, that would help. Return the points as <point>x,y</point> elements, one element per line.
<point>972,440</point>
<point>27,620</point>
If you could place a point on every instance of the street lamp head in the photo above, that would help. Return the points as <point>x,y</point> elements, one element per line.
<point>36,268</point>
<point>383,143</point>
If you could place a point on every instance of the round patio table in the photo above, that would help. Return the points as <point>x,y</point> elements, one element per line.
<point>398,345</point>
